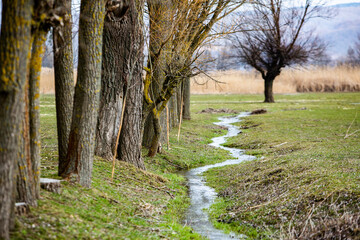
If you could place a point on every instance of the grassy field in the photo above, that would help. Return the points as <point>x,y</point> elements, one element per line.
<point>306,181</point>
<point>137,205</point>
<point>306,178</point>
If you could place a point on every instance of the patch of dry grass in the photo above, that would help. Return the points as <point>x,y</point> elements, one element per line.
<point>47,80</point>
<point>311,79</point>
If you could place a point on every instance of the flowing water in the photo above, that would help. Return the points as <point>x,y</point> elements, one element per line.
<point>202,196</point>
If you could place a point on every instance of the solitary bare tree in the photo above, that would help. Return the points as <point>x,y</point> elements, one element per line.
<point>353,53</point>
<point>275,37</point>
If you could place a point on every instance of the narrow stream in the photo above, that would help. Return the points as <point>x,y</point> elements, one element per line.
<point>202,196</point>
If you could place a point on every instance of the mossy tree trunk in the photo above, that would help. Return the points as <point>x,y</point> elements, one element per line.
<point>80,154</point>
<point>28,164</point>
<point>14,51</point>
<point>34,106</point>
<point>160,17</point>
<point>64,79</point>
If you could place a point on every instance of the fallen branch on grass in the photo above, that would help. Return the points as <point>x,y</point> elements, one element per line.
<point>347,132</point>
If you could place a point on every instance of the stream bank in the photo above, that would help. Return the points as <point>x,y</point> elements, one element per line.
<point>202,196</point>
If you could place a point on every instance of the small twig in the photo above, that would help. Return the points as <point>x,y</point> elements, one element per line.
<point>168,190</point>
<point>167,128</point>
<point>118,136</point>
<point>347,132</point>
<point>181,112</point>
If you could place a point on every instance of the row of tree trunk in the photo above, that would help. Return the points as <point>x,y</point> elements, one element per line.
<point>108,93</point>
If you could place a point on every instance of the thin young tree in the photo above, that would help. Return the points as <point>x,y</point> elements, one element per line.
<point>14,51</point>
<point>276,37</point>
<point>80,154</point>
<point>64,78</point>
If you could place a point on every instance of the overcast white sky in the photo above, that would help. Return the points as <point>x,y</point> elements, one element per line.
<point>343,1</point>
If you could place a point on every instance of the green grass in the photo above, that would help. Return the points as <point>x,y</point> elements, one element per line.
<point>315,167</point>
<point>137,205</point>
<point>306,180</point>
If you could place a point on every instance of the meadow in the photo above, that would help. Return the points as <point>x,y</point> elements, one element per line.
<point>305,180</point>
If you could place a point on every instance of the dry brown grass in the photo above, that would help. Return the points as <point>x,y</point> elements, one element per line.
<point>313,79</point>
<point>47,81</point>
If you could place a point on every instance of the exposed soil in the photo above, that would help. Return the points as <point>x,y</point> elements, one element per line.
<point>259,111</point>
<point>222,110</point>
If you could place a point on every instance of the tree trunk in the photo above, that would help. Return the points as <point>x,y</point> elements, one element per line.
<point>112,86</point>
<point>186,98</point>
<point>179,94</point>
<point>159,30</point>
<point>269,97</point>
<point>64,80</point>
<point>156,138</point>
<point>34,107</point>
<point>24,179</point>
<point>148,131</point>
<point>80,155</point>
<point>28,165</point>
<point>123,48</point>
<point>129,149</point>
<point>14,52</point>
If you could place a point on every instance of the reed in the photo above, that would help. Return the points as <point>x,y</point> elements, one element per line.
<point>310,79</point>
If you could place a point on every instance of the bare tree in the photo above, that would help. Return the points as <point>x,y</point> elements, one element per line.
<point>274,36</point>
<point>353,53</point>
<point>177,31</point>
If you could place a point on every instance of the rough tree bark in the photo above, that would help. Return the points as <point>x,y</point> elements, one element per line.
<point>112,82</point>
<point>80,154</point>
<point>122,74</point>
<point>28,178</point>
<point>64,79</point>
<point>34,106</point>
<point>14,52</point>
<point>129,149</point>
<point>24,174</point>
<point>28,164</point>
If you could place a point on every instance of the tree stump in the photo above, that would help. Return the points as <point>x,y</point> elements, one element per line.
<point>51,185</point>
<point>21,208</point>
